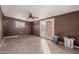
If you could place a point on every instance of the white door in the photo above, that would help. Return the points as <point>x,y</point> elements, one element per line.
<point>42,28</point>
<point>47,28</point>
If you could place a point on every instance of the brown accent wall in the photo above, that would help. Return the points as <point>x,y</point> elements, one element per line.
<point>1,24</point>
<point>10,27</point>
<point>68,25</point>
<point>36,28</point>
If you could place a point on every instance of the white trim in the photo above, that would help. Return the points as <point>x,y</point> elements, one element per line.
<point>54,26</point>
<point>52,20</point>
<point>2,42</point>
<point>76,47</point>
<point>11,36</point>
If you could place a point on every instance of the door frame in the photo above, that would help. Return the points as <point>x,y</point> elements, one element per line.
<point>53,26</point>
<point>52,20</point>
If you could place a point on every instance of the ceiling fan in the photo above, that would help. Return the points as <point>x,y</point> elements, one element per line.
<point>30,15</point>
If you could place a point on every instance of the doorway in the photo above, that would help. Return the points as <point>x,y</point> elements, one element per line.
<point>47,28</point>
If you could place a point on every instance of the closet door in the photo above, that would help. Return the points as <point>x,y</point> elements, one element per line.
<point>43,28</point>
<point>49,28</point>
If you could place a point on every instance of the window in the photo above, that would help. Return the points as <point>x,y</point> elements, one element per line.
<point>20,24</point>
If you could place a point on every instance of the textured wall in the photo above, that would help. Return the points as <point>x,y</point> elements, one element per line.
<point>68,25</point>
<point>10,27</point>
<point>36,28</point>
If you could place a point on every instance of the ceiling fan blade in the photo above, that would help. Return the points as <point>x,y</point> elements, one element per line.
<point>27,18</point>
<point>26,12</point>
<point>29,11</point>
<point>36,17</point>
<point>33,18</point>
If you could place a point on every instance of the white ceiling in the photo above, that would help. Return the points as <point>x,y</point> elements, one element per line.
<point>42,11</point>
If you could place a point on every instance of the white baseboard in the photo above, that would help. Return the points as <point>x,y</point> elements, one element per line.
<point>61,42</point>
<point>2,42</point>
<point>76,47</point>
<point>11,36</point>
